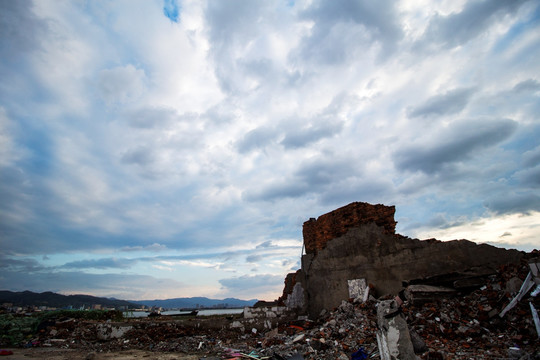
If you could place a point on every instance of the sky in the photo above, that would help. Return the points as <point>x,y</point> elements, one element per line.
<point>158,149</point>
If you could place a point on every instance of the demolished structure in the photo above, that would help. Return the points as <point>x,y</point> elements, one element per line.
<point>358,241</point>
<point>363,292</point>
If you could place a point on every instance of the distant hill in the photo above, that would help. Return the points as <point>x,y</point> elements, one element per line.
<point>50,299</point>
<point>196,303</point>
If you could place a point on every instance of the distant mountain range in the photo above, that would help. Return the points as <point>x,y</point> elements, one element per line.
<point>196,303</point>
<point>50,299</point>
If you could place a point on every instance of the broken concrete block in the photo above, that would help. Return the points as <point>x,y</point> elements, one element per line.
<point>107,331</point>
<point>419,345</point>
<point>419,294</point>
<point>525,287</point>
<point>357,288</point>
<point>393,336</point>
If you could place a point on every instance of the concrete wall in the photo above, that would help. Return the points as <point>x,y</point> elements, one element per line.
<point>385,261</point>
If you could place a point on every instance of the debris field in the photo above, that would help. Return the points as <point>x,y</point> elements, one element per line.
<point>464,325</point>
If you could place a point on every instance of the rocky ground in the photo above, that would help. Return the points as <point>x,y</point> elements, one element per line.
<point>465,326</point>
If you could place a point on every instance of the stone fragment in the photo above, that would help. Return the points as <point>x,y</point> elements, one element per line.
<point>393,338</point>
<point>299,338</point>
<point>419,345</point>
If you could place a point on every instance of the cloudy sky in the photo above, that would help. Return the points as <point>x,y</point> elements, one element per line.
<point>157,149</point>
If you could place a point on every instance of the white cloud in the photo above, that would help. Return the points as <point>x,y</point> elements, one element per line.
<point>125,131</point>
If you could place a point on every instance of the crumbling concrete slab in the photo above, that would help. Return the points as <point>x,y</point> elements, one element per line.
<point>420,294</point>
<point>296,299</point>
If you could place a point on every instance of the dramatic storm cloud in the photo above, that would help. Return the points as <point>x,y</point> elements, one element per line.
<point>174,148</point>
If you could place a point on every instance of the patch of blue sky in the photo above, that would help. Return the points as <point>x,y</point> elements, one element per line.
<point>171,9</point>
<point>516,31</point>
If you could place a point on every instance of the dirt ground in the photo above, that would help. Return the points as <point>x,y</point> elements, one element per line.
<point>75,354</point>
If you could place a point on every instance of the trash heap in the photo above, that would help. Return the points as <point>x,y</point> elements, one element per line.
<point>473,326</point>
<point>477,324</point>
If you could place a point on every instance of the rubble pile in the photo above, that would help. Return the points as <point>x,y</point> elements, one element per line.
<point>470,326</point>
<point>464,326</point>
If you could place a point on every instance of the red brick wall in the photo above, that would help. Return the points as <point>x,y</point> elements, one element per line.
<point>336,223</point>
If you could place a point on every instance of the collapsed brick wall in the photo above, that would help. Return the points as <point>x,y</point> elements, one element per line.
<point>359,241</point>
<point>317,232</point>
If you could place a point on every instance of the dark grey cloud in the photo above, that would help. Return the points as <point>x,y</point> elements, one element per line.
<point>333,35</point>
<point>266,244</point>
<point>297,138</point>
<point>451,102</point>
<point>319,176</point>
<point>322,171</point>
<point>107,263</point>
<point>529,178</point>
<point>440,221</point>
<point>264,69</point>
<point>293,135</point>
<point>141,156</point>
<point>458,28</point>
<point>280,190</point>
<point>458,143</point>
<point>512,203</point>
<point>532,157</point>
<point>20,265</point>
<point>122,286</point>
<point>527,86</point>
<point>375,190</point>
<point>254,258</point>
<point>256,139</point>
<point>19,28</point>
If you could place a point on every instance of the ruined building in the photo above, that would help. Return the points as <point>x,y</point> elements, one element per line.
<point>358,242</point>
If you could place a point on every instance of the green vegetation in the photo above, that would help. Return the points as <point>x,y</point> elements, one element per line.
<point>18,330</point>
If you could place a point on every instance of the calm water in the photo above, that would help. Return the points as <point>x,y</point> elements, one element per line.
<point>205,312</point>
